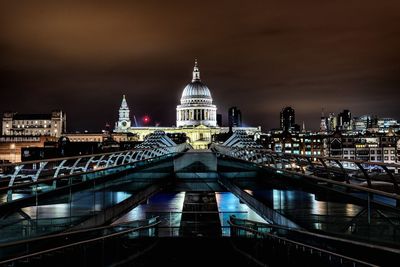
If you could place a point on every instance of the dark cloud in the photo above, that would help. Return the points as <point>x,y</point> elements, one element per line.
<point>81,56</point>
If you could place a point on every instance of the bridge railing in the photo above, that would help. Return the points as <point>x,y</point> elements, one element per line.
<point>377,198</point>
<point>373,175</point>
<point>46,175</point>
<point>332,249</point>
<point>32,171</point>
<point>96,239</point>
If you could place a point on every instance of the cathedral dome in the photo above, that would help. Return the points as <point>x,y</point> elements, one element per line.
<point>196,91</point>
<point>196,106</point>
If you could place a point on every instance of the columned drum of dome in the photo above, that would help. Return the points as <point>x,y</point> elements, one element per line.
<point>196,106</point>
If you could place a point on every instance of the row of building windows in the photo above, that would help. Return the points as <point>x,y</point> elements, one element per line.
<point>31,126</point>
<point>30,122</point>
<point>7,139</point>
<point>366,152</point>
<point>87,140</point>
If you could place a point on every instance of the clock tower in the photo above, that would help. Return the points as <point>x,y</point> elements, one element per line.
<point>124,122</point>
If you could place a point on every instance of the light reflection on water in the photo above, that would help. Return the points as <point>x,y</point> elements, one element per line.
<point>14,196</point>
<point>48,211</point>
<point>229,204</point>
<point>292,201</point>
<point>167,205</point>
<point>82,204</point>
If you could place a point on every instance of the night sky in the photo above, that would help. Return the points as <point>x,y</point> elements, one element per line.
<point>81,56</point>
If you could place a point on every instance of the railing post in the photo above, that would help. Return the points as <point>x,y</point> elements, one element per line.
<point>369,208</point>
<point>74,165</point>
<point>88,163</point>
<point>365,174</point>
<point>328,173</point>
<point>394,181</point>
<point>18,168</point>
<point>58,169</point>
<point>37,174</point>
<point>299,163</point>
<point>346,177</point>
<point>99,161</point>
<point>110,157</point>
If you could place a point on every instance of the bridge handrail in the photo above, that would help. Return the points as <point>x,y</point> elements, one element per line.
<point>308,156</point>
<point>18,186</point>
<point>69,233</point>
<point>230,152</point>
<point>76,157</point>
<point>29,170</point>
<point>68,158</point>
<point>84,242</point>
<point>296,243</point>
<point>234,219</point>
<point>352,186</point>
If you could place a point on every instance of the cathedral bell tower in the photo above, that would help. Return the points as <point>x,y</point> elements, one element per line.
<point>124,122</point>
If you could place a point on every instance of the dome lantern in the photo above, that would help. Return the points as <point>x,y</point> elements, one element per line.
<point>196,72</point>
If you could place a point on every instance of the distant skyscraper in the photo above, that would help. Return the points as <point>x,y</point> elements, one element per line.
<point>235,117</point>
<point>303,128</point>
<point>287,119</point>
<point>362,123</point>
<point>124,121</point>
<point>332,122</point>
<point>219,120</point>
<point>344,120</point>
<point>323,128</point>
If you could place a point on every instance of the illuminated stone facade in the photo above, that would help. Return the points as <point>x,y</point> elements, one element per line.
<point>15,124</point>
<point>124,122</point>
<point>196,106</point>
<point>196,117</point>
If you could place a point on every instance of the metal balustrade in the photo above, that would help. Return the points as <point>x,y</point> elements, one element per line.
<point>44,175</point>
<point>328,248</point>
<point>155,145</point>
<point>31,171</point>
<point>363,173</point>
<point>377,196</point>
<point>27,251</point>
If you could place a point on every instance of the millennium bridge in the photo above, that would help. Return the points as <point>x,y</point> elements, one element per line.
<point>234,204</point>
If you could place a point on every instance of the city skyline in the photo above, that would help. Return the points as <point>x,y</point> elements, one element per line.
<point>260,57</point>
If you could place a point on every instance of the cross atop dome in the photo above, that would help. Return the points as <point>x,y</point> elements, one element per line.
<point>196,72</point>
